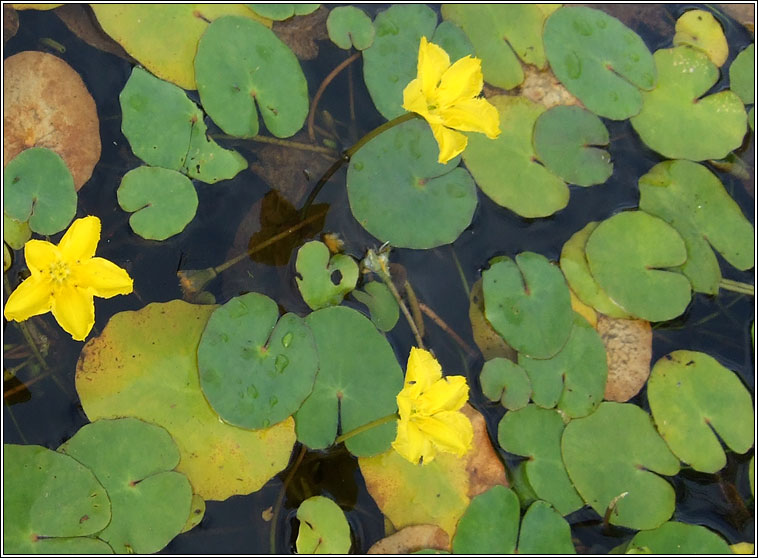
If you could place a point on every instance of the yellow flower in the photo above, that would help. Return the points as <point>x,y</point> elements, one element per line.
<point>430,417</point>
<point>64,279</point>
<point>446,96</point>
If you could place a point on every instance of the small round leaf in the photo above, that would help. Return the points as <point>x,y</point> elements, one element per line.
<point>349,26</point>
<point>504,380</point>
<point>742,75</point>
<point>700,30</point>
<point>544,531</point>
<point>324,281</point>
<point>323,527</point>
<point>674,537</point>
<point>15,232</point>
<point>381,304</point>
<point>280,11</point>
<point>490,524</point>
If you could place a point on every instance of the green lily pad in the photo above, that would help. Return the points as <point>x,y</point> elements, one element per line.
<point>674,537</point>
<point>600,60</point>
<point>628,255</point>
<point>323,527</point>
<point>535,433</point>
<point>544,531</point>
<point>564,139</point>
<point>700,30</point>
<point>391,62</point>
<point>51,503</point>
<point>162,201</point>
<point>166,129</point>
<point>692,396</point>
<point>692,199</point>
<point>742,75</point>
<point>38,188</point>
<point>505,381</point>
<point>577,272</point>
<point>324,281</point>
<point>613,455</point>
<point>677,122</point>
<point>422,203</point>
<point>150,503</point>
<point>280,12</point>
<point>574,378</point>
<point>358,381</point>
<point>506,168</point>
<point>240,64</point>
<point>527,302</point>
<point>349,27</point>
<point>381,304</point>
<point>255,368</point>
<point>15,232</point>
<point>490,524</point>
<point>129,370</point>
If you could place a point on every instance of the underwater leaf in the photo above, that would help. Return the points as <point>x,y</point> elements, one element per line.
<point>629,348</point>
<point>323,527</point>
<point>256,368</point>
<point>506,168</point>
<point>535,433</point>
<point>677,122</point>
<point>700,30</point>
<point>742,75</point>
<point>144,365</point>
<point>505,381</point>
<point>357,382</point>
<point>390,63</point>
<point>134,461</point>
<point>528,303</point>
<point>693,398</point>
<point>46,104</point>
<point>164,37</point>
<point>600,60</point>
<point>241,64</point>
<point>400,193</point>
<point>38,189</point>
<point>52,504</point>
<point>15,232</point>
<point>324,281</point>
<point>674,537</point>
<point>280,11</point>
<point>489,525</point>
<point>381,304</point>
<point>613,454</point>
<point>163,201</point>
<point>574,378</point>
<point>629,255</point>
<point>349,26</point>
<point>565,138</point>
<point>544,531</point>
<point>692,199</point>
<point>413,539</point>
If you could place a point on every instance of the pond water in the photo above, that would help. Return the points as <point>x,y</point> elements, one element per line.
<point>47,411</point>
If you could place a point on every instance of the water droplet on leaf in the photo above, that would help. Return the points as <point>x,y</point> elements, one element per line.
<point>573,65</point>
<point>582,27</point>
<point>252,391</point>
<point>287,340</point>
<point>281,363</point>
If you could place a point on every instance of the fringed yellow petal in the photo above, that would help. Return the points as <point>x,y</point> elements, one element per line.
<point>450,431</point>
<point>447,394</point>
<point>432,63</point>
<point>462,81</point>
<point>422,370</point>
<point>31,298</point>
<point>473,115</point>
<point>74,310</point>
<point>412,444</point>
<point>40,255</point>
<point>451,143</point>
<point>414,99</point>
<point>80,241</point>
<point>104,278</point>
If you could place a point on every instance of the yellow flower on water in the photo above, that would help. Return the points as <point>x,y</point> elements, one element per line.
<point>446,96</point>
<point>65,278</point>
<point>430,416</point>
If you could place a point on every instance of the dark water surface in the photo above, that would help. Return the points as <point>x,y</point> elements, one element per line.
<point>49,413</point>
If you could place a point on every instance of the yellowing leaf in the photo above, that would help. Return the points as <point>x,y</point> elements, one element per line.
<point>699,29</point>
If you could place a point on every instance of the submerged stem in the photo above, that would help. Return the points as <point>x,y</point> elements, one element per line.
<point>367,426</point>
<point>737,287</point>
<point>327,80</point>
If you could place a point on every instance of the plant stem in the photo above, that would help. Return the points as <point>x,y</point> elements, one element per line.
<point>367,426</point>
<point>446,328</point>
<point>277,141</point>
<point>280,499</point>
<point>387,280</point>
<point>327,80</point>
<point>737,287</point>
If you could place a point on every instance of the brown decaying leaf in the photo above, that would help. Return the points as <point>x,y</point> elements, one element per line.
<point>82,22</point>
<point>541,86</point>
<point>10,23</point>
<point>411,539</point>
<point>629,348</point>
<point>484,467</point>
<point>46,104</point>
<point>300,33</point>
<point>485,337</point>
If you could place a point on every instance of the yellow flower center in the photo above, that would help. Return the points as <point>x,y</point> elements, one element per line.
<point>59,272</point>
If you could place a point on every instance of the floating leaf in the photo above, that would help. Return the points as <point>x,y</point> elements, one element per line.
<point>381,304</point>
<point>600,60</point>
<point>46,104</point>
<point>78,18</point>
<point>629,348</point>
<point>324,281</point>
<point>164,37</point>
<point>628,255</point>
<point>163,201</point>
<point>487,339</point>
<point>535,433</point>
<point>323,527</point>
<point>564,139</point>
<point>700,30</point>
<point>349,26</point>
<point>15,232</point>
<point>38,189</point>
<point>692,199</point>
<point>504,380</point>
<point>422,203</point>
<point>357,382</point>
<point>489,525</point>
<point>742,75</point>
<point>255,368</point>
<point>279,11</point>
<point>544,531</point>
<point>677,121</point>
<point>527,302</point>
<point>133,460</point>
<point>130,371</point>
<point>613,455</point>
<point>197,512</point>
<point>413,538</point>
<point>506,168</point>
<point>674,537</point>
<point>692,398</point>
<point>52,504</point>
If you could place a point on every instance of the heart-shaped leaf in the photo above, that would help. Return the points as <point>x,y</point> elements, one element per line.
<point>544,531</point>
<point>742,75</point>
<point>674,537</point>
<point>281,11</point>
<point>15,232</point>
<point>381,304</point>
<point>323,527</point>
<point>700,30</point>
<point>349,26</point>
<point>490,524</point>
<point>505,381</point>
<point>324,281</point>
